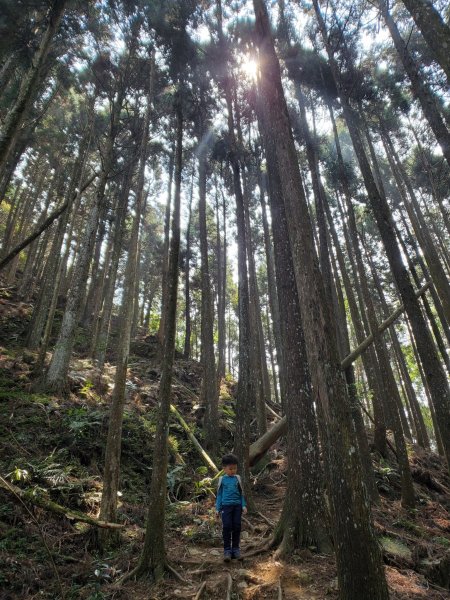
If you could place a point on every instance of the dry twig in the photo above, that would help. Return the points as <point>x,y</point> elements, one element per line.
<point>229,586</point>
<point>200,591</point>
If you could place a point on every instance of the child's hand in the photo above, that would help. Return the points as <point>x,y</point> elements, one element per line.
<point>244,510</point>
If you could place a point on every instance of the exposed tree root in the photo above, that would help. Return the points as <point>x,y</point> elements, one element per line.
<point>249,525</point>
<point>141,573</point>
<point>265,519</point>
<point>280,590</point>
<point>269,545</point>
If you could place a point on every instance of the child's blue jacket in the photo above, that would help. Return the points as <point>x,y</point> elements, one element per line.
<point>229,493</point>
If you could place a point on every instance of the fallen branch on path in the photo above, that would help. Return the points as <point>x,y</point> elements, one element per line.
<point>229,586</point>
<point>38,500</point>
<point>175,573</point>
<point>200,591</point>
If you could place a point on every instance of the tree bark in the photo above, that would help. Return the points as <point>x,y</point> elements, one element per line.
<point>302,522</point>
<point>111,475</point>
<point>209,392</point>
<point>153,557</point>
<point>187,281</point>
<point>434,30</point>
<point>165,259</point>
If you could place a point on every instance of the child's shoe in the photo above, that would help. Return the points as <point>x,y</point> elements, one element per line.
<point>227,556</point>
<point>236,554</point>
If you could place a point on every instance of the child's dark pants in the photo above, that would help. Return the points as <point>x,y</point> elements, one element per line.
<point>231,522</point>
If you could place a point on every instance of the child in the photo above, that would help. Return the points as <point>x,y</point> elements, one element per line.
<point>230,504</point>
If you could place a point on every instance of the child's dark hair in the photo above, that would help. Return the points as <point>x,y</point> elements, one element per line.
<point>229,459</point>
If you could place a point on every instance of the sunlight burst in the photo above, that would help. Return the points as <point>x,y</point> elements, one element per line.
<point>249,67</point>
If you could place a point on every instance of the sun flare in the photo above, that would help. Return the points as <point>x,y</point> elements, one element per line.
<point>249,67</point>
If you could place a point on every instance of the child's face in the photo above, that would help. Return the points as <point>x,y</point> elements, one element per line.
<point>230,470</point>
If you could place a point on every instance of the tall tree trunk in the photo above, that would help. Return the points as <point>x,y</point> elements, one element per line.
<point>437,434</point>
<point>302,522</point>
<point>437,197</point>
<point>341,329</point>
<point>437,303</point>
<point>418,222</point>
<point>271,281</point>
<point>221,286</point>
<point>344,346</point>
<point>358,556</point>
<point>55,378</point>
<point>153,557</point>
<point>111,475</point>
<point>392,401</point>
<point>165,258</point>
<point>422,435</point>
<point>187,280</point>
<point>369,359</point>
<point>209,392</point>
<point>245,390</point>
<point>258,363</point>
<point>100,342</point>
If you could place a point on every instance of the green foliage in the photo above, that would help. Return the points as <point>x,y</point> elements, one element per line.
<point>395,547</point>
<point>19,475</point>
<point>176,479</point>
<point>204,487</point>
<point>81,421</point>
<point>409,526</point>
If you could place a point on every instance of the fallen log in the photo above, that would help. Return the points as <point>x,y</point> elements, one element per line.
<point>39,500</point>
<point>350,359</point>
<point>206,458</point>
<point>46,224</point>
<point>260,447</point>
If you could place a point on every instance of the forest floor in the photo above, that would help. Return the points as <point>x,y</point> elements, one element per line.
<point>53,446</point>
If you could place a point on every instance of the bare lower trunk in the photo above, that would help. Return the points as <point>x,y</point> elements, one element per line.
<point>302,522</point>
<point>209,392</point>
<point>165,258</point>
<point>153,557</point>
